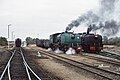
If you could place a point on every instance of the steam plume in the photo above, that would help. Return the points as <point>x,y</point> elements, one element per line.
<point>104,20</point>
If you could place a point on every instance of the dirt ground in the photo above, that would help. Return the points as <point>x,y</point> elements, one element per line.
<point>61,70</point>
<point>77,57</point>
<point>66,72</point>
<point>4,56</point>
<point>112,48</point>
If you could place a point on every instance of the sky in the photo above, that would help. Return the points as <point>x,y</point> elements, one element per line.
<point>41,18</point>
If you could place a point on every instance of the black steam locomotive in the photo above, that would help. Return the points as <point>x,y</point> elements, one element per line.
<point>91,43</point>
<point>18,42</point>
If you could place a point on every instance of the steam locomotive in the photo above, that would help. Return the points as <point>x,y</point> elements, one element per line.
<point>91,43</point>
<point>65,40</point>
<point>18,42</point>
<point>79,41</point>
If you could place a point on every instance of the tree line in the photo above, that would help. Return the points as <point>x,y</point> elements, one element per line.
<point>111,41</point>
<point>30,40</point>
<point>4,42</point>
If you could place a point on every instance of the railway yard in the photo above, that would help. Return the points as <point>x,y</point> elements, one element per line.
<point>60,40</point>
<point>36,63</point>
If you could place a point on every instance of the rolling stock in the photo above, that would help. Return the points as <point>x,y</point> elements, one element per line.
<point>65,40</point>
<point>18,42</point>
<point>45,43</point>
<point>91,43</point>
<point>79,41</point>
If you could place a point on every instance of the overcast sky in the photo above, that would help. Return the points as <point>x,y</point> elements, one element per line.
<point>43,17</point>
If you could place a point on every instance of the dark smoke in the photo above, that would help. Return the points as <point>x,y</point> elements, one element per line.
<point>107,28</point>
<point>103,20</point>
<point>90,17</point>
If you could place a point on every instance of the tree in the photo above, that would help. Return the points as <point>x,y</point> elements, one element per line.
<point>114,41</point>
<point>105,40</point>
<point>29,40</point>
<point>3,41</point>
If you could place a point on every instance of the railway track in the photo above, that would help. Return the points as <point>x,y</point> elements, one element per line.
<point>110,75</point>
<point>102,58</point>
<point>110,54</point>
<point>17,68</point>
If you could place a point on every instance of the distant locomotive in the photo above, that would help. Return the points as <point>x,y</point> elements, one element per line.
<point>18,42</point>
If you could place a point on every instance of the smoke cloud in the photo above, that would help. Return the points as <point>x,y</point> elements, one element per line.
<point>105,19</point>
<point>107,28</point>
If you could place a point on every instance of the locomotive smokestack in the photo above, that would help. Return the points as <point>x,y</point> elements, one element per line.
<point>66,31</point>
<point>89,29</point>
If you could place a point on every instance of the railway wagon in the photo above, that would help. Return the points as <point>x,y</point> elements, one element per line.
<point>91,43</point>
<point>39,43</point>
<point>44,43</point>
<point>65,40</point>
<point>18,42</point>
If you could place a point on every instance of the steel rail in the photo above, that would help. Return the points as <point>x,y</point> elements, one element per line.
<point>28,67</point>
<point>110,54</point>
<point>78,64</point>
<point>27,71</point>
<point>25,64</point>
<point>103,59</point>
<point>113,53</point>
<point>7,67</point>
<point>33,72</point>
<point>9,71</point>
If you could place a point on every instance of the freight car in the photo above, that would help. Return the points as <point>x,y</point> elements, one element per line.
<point>44,43</point>
<point>18,42</point>
<point>39,42</point>
<point>65,40</point>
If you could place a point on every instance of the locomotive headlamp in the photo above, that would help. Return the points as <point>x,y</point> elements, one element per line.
<point>96,36</point>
